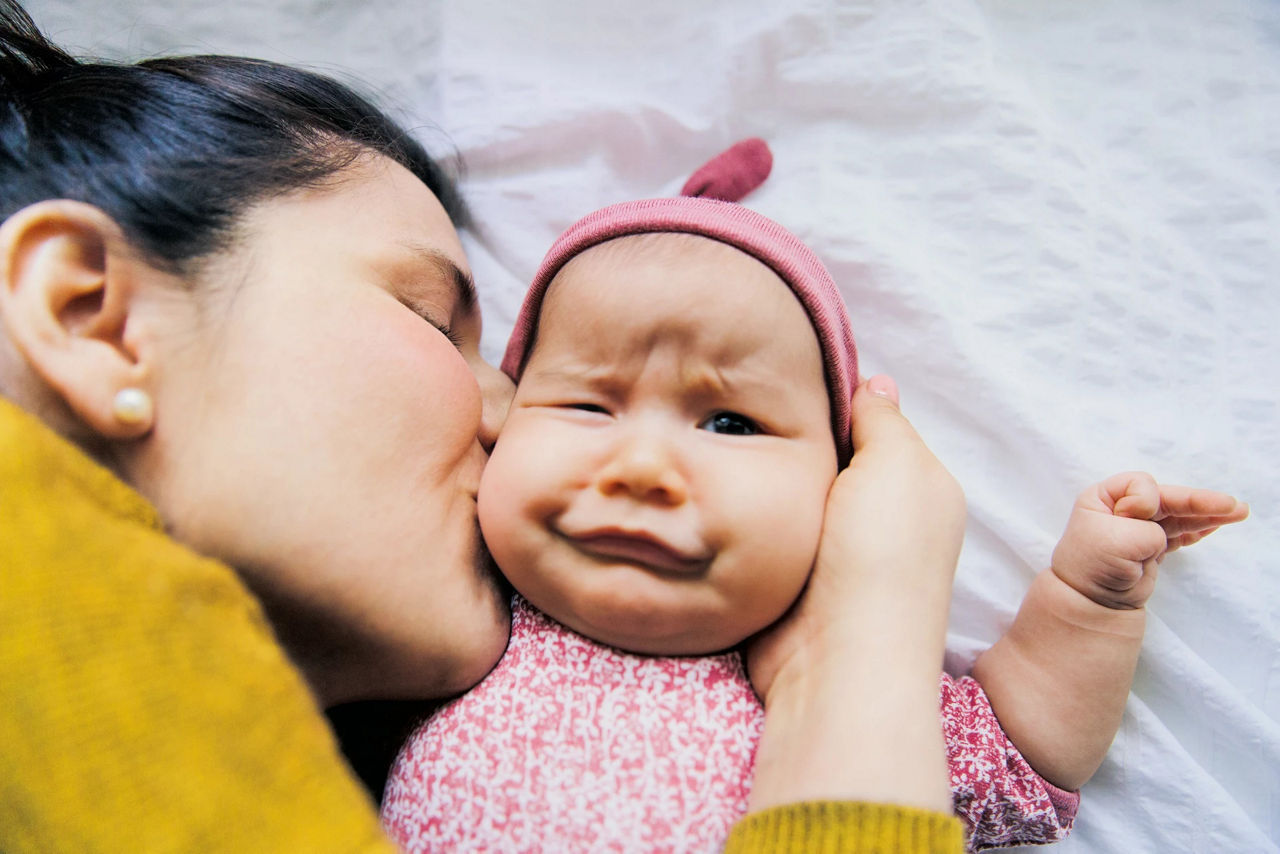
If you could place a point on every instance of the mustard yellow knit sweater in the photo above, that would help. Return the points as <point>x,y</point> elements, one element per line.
<point>145,705</point>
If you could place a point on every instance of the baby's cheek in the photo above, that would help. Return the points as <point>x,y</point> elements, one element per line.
<point>497,501</point>
<point>775,557</point>
<point>515,501</point>
<point>787,529</point>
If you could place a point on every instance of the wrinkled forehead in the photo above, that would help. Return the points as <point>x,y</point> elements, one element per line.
<point>703,303</point>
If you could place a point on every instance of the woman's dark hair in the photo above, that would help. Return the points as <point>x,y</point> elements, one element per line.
<point>175,149</point>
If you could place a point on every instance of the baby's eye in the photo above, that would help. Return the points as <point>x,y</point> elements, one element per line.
<point>588,407</point>
<point>731,423</point>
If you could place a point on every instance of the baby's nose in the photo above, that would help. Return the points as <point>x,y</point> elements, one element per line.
<point>645,469</point>
<point>496,390</point>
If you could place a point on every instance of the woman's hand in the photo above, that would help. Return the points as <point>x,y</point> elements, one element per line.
<point>849,676</point>
<point>892,535</point>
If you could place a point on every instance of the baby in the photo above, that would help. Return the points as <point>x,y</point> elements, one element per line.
<point>656,497</point>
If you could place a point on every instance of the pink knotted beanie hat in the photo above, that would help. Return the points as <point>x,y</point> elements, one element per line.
<point>708,208</point>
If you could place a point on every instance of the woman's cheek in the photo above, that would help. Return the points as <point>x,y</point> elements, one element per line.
<point>452,386</point>
<point>408,385</point>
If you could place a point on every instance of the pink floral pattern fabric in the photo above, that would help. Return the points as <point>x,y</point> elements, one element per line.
<point>569,745</point>
<point>993,789</point>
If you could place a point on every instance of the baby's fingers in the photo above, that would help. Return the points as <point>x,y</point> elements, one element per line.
<point>1176,525</point>
<point>1188,538</point>
<point>1134,494</point>
<point>1205,503</point>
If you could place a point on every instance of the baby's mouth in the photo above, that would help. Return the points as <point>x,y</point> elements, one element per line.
<point>638,547</point>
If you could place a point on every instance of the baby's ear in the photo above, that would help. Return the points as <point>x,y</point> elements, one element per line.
<point>67,283</point>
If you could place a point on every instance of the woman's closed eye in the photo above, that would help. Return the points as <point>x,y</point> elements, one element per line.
<point>445,329</point>
<point>730,423</point>
<point>455,338</point>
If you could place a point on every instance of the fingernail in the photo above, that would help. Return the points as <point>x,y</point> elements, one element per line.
<point>884,386</point>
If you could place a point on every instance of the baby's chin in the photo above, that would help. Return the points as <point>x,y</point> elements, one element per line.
<point>647,624</point>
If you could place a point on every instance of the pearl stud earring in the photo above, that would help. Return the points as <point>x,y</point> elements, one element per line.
<point>132,406</point>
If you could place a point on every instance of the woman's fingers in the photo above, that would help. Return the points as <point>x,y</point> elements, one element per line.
<point>876,417</point>
<point>894,523</point>
<point>884,385</point>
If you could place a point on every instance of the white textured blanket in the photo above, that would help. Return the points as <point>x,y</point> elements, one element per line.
<point>1056,223</point>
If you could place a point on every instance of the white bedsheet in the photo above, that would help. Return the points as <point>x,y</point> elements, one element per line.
<point>1057,224</point>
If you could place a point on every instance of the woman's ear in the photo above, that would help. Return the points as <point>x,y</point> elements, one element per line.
<point>67,284</point>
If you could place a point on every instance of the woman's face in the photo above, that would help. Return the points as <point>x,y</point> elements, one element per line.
<point>317,429</point>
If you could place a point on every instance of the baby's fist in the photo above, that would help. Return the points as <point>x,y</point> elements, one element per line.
<point>1121,528</point>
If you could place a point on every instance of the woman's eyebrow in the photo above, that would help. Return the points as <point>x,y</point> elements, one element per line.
<point>463,285</point>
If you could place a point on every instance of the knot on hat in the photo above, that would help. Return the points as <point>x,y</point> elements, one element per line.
<point>732,173</point>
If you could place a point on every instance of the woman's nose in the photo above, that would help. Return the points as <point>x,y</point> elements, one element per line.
<point>643,468</point>
<point>496,390</point>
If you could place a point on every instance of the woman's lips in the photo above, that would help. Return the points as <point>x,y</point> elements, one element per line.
<point>641,548</point>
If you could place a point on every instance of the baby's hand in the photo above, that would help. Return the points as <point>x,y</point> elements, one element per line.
<point>1122,528</point>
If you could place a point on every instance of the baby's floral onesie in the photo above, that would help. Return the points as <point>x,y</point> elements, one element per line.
<point>570,745</point>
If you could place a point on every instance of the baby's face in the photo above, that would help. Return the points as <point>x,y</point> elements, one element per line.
<point>660,482</point>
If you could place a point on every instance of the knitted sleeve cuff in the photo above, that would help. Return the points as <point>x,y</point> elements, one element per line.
<point>854,827</point>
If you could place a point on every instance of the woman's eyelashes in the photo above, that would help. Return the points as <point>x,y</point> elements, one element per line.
<point>445,329</point>
<point>455,338</point>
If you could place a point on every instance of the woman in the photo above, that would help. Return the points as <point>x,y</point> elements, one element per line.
<point>239,331</point>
